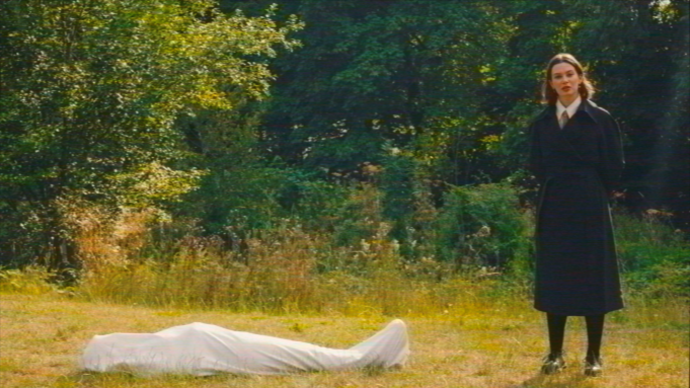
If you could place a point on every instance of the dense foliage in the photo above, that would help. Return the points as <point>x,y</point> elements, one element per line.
<point>126,125</point>
<point>91,93</point>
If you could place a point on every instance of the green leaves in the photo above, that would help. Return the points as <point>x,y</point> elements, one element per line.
<point>372,72</point>
<point>107,80</point>
<point>91,92</point>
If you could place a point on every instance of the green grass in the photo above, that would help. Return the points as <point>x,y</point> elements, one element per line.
<point>480,340</point>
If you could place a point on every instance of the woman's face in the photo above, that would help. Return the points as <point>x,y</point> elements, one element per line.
<point>565,81</point>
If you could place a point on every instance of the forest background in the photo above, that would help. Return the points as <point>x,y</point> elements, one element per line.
<point>311,155</point>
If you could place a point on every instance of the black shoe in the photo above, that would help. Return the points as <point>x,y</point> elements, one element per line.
<point>552,364</point>
<point>593,367</point>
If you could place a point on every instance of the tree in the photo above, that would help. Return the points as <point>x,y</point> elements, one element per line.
<point>638,50</point>
<point>91,92</point>
<point>407,72</point>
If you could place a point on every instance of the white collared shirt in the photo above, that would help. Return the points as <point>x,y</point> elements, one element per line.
<point>572,108</point>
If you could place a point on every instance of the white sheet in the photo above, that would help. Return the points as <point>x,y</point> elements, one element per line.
<point>202,349</point>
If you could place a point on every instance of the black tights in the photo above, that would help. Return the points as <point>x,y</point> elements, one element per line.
<point>595,330</point>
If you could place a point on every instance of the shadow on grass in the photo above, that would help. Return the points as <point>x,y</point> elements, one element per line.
<point>92,379</point>
<point>562,381</point>
<point>123,378</point>
<point>96,379</point>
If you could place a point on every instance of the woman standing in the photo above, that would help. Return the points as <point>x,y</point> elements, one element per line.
<point>577,158</point>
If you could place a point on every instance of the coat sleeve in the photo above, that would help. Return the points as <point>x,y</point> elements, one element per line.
<point>611,155</point>
<point>535,162</point>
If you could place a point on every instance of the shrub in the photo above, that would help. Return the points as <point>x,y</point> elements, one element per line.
<point>273,275</point>
<point>653,255</point>
<point>32,280</point>
<point>315,202</point>
<point>480,226</point>
<point>397,185</point>
<point>407,204</point>
<point>359,217</point>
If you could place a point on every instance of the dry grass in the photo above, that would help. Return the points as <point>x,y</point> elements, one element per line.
<point>479,342</point>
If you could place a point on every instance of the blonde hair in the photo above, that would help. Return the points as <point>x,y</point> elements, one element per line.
<point>549,95</point>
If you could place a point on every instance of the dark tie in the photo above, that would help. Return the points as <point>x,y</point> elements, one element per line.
<point>564,119</point>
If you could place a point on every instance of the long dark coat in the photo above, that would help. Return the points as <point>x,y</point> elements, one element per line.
<point>577,167</point>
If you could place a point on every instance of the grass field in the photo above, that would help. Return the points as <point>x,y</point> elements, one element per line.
<point>481,343</point>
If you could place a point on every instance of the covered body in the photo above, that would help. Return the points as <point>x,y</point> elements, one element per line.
<point>203,349</point>
<point>577,167</point>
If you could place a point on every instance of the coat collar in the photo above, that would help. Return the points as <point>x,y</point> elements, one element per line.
<point>587,106</point>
